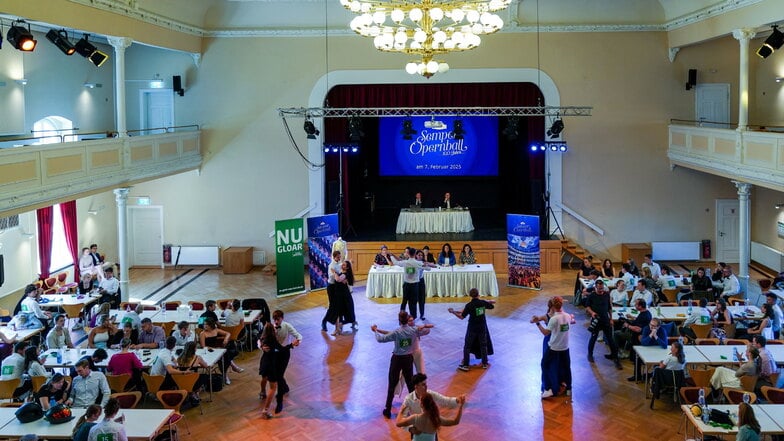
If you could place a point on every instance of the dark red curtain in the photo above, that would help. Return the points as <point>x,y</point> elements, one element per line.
<point>68,211</point>
<point>45,221</point>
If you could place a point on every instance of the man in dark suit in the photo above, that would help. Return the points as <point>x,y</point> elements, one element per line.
<point>447,203</point>
<point>418,200</point>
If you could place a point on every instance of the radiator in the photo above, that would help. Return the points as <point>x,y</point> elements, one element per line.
<point>196,255</point>
<point>259,257</point>
<point>675,250</point>
<point>765,255</point>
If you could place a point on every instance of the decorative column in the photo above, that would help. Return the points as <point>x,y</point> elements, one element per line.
<point>121,197</point>
<point>744,239</point>
<point>120,44</point>
<point>743,36</point>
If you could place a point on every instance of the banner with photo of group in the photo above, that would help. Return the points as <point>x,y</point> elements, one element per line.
<point>322,233</point>
<point>290,256</point>
<point>522,236</point>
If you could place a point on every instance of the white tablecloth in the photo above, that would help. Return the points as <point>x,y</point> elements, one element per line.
<point>447,221</point>
<point>455,281</point>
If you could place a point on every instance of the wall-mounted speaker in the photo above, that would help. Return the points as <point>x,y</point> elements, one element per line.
<point>692,80</point>
<point>177,85</point>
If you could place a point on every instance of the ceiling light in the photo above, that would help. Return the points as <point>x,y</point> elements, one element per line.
<point>556,128</point>
<point>87,50</point>
<point>772,43</point>
<point>310,129</point>
<point>21,38</point>
<point>60,39</point>
<point>408,131</point>
<point>457,129</point>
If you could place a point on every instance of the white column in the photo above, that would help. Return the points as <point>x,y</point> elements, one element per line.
<point>121,197</point>
<point>744,239</point>
<point>120,44</point>
<point>743,36</point>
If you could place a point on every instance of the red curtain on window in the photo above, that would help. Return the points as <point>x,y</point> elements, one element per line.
<point>68,211</point>
<point>45,229</point>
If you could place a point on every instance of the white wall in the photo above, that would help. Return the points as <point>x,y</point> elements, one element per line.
<point>20,255</point>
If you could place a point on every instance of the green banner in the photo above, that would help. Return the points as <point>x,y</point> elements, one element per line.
<point>290,256</point>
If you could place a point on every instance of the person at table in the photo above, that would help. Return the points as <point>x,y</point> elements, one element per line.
<point>748,426</point>
<point>209,313</point>
<point>13,368</point>
<point>183,333</point>
<point>59,337</point>
<point>418,200</point>
<point>447,203</point>
<point>699,316</point>
<point>477,335</point>
<point>467,255</point>
<point>30,304</point>
<point>98,356</point>
<point>212,337</point>
<point>725,377</point>
<point>651,335</point>
<point>633,268</point>
<point>586,267</point>
<point>109,289</point>
<point>426,423</point>
<point>233,314</point>
<point>164,357</point>
<point>101,335</point>
<point>411,268</point>
<point>446,257</point>
<point>701,282</point>
<point>383,257</point>
<point>619,296</point>
<point>654,267</point>
<point>288,337</point>
<point>87,266</point>
<point>625,273</point>
<point>642,292</point>
<point>772,300</point>
<point>765,325</point>
<point>33,366</point>
<point>53,390</point>
<point>111,428</point>
<point>189,362</point>
<point>767,364</point>
<point>718,272</point>
<point>98,312</point>
<point>88,386</point>
<point>126,362</point>
<point>127,332</point>
<point>631,326</point>
<point>81,430</point>
<point>151,336</point>
<point>428,255</point>
<point>720,317</point>
<point>730,283</point>
<point>85,285</point>
<point>608,271</point>
<point>133,316</point>
<point>598,307</point>
<point>662,374</point>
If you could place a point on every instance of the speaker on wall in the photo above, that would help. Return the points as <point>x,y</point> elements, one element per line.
<point>177,85</point>
<point>2,271</point>
<point>692,80</point>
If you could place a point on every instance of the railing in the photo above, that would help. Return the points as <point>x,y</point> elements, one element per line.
<point>160,130</point>
<point>22,141</point>
<point>302,213</point>
<point>580,218</point>
<point>726,125</point>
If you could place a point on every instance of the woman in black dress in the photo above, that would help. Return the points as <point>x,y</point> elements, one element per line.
<point>268,343</point>
<point>212,337</point>
<point>344,288</point>
<point>188,362</point>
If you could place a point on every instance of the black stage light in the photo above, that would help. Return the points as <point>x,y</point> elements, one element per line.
<point>555,129</point>
<point>21,38</point>
<point>87,50</point>
<point>408,129</point>
<point>457,129</point>
<point>60,39</point>
<point>310,129</point>
<point>355,132</point>
<point>772,43</point>
<point>511,130</point>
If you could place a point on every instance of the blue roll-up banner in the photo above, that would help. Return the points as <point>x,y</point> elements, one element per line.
<point>322,233</point>
<point>522,237</point>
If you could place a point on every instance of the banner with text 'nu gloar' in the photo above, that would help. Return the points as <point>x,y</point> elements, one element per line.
<point>289,255</point>
<point>522,236</point>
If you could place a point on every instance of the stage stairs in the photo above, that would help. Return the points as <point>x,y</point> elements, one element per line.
<point>573,251</point>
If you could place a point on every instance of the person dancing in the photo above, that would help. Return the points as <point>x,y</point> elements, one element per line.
<point>427,423</point>
<point>556,364</point>
<point>335,307</point>
<point>476,331</point>
<point>268,366</point>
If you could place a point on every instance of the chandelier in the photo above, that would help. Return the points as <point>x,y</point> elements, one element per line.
<point>426,28</point>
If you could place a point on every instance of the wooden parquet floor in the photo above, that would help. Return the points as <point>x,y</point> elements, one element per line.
<point>338,384</point>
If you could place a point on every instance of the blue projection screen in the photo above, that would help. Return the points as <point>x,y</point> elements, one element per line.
<point>433,150</point>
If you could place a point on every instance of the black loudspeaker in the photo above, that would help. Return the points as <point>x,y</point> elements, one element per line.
<point>177,85</point>
<point>692,81</point>
<point>2,271</point>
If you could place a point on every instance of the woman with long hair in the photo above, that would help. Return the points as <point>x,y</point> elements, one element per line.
<point>427,423</point>
<point>269,345</point>
<point>349,314</point>
<point>701,282</point>
<point>765,326</point>
<point>467,255</point>
<point>86,422</point>
<point>101,335</point>
<point>32,364</point>
<point>446,257</point>
<point>720,316</point>
<point>54,389</point>
<point>187,362</point>
<point>748,426</point>
<point>212,337</point>
<point>336,302</point>
<point>608,272</point>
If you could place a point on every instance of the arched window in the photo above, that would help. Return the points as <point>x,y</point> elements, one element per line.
<point>50,128</point>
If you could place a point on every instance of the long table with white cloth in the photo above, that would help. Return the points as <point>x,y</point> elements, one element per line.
<point>447,281</point>
<point>431,220</point>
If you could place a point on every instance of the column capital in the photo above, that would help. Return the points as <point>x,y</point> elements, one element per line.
<point>744,188</point>
<point>121,194</point>
<point>119,43</point>
<point>744,34</point>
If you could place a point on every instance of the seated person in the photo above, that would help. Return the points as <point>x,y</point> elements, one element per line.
<point>85,284</point>
<point>126,362</point>
<point>720,316</point>
<point>164,357</point>
<point>467,255</point>
<point>428,255</point>
<point>209,313</point>
<point>188,362</point>
<point>13,369</point>
<point>675,361</point>
<point>590,285</point>
<point>151,336</point>
<point>111,428</point>
<point>642,292</point>
<point>726,377</point>
<point>446,257</point>
<point>632,326</point>
<point>30,305</point>
<point>33,364</point>
<point>98,356</point>
<point>101,335</point>
<point>127,332</point>
<point>54,390</point>
<point>619,296</point>
<point>701,282</point>
<point>383,257</point>
<point>134,317</point>
<point>448,203</point>
<point>88,386</point>
<point>652,335</point>
<point>109,289</point>
<point>183,333</point>
<point>418,200</point>
<point>764,327</point>
<point>233,314</point>
<point>88,266</point>
<point>700,316</point>
<point>25,320</point>
<point>98,312</point>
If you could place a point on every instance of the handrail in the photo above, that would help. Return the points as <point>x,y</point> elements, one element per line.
<point>697,123</point>
<point>72,137</point>
<point>583,220</point>
<point>302,213</point>
<point>165,129</point>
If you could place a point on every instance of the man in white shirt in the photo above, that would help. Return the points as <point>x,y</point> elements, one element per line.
<point>108,289</point>
<point>183,333</point>
<point>164,358</point>
<point>730,282</point>
<point>411,268</point>
<point>13,368</point>
<point>288,337</point>
<point>655,268</point>
<point>87,386</point>
<point>641,292</point>
<point>700,316</point>
<point>773,301</point>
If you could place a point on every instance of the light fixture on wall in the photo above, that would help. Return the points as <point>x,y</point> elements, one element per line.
<point>425,28</point>
<point>779,79</point>
<point>60,39</point>
<point>772,43</point>
<point>21,38</point>
<point>21,81</point>
<point>157,82</point>
<point>87,50</point>
<point>92,85</point>
<point>779,205</point>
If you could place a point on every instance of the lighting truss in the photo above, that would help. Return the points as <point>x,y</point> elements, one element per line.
<point>367,112</point>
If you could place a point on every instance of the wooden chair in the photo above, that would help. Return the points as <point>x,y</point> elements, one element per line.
<point>38,381</point>
<point>736,341</point>
<point>7,388</point>
<point>671,294</point>
<point>234,332</point>
<point>691,394</point>
<point>707,341</point>
<point>173,399</point>
<point>117,383</point>
<point>128,400</point>
<point>774,378</point>
<point>72,312</point>
<point>222,303</point>
<point>63,283</point>
<point>50,285</point>
<point>167,327</point>
<point>729,330</point>
<point>196,306</point>
<point>172,306</point>
<point>701,377</point>
<point>776,342</point>
<point>737,301</point>
<point>735,396</point>
<point>773,395</point>
<point>128,305</point>
<point>668,304</point>
<point>701,331</point>
<point>187,382</point>
<point>153,383</point>
<point>748,383</point>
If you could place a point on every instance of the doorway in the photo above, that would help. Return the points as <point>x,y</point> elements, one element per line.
<point>145,236</point>
<point>713,104</point>
<point>727,230</point>
<point>157,110</point>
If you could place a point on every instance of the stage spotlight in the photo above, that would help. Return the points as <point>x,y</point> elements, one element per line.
<point>556,128</point>
<point>310,129</point>
<point>326,149</point>
<point>772,43</point>
<point>534,147</point>
<point>408,129</point>
<point>60,39</point>
<point>354,149</point>
<point>563,147</point>
<point>355,132</point>
<point>334,149</point>
<point>553,147</point>
<point>511,130</point>
<point>87,50</point>
<point>457,129</point>
<point>21,38</point>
